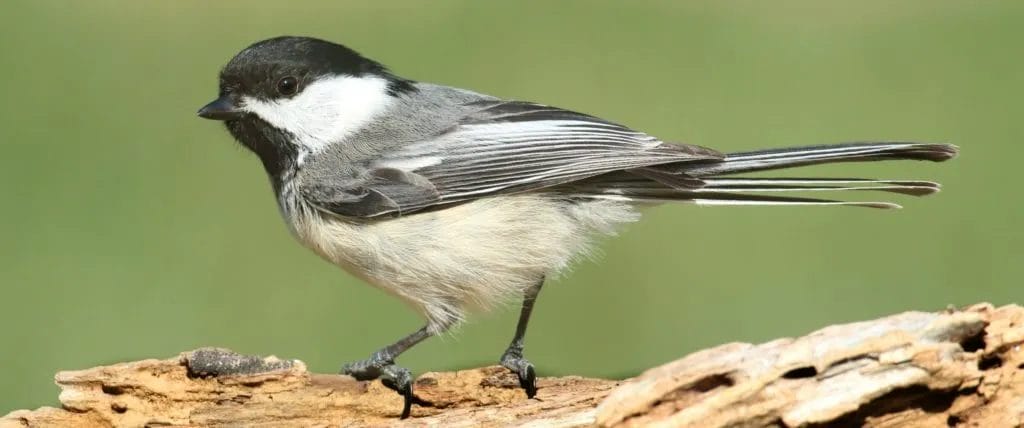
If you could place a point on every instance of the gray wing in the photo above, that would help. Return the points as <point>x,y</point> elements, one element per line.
<point>502,147</point>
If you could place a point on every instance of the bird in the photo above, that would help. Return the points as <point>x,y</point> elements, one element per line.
<point>456,201</point>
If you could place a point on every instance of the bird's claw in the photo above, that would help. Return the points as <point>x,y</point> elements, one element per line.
<point>522,367</point>
<point>392,376</point>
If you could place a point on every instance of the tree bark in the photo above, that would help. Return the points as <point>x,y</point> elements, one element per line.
<point>954,368</point>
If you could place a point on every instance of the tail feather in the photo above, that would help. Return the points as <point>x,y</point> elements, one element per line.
<point>721,198</point>
<point>745,199</point>
<point>906,187</point>
<point>811,155</point>
<point>703,182</point>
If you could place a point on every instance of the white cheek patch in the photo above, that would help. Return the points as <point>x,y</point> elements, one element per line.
<point>326,111</point>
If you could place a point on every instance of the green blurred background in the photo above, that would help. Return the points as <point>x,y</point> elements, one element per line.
<point>133,229</point>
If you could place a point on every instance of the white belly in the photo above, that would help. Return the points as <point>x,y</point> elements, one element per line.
<point>472,255</point>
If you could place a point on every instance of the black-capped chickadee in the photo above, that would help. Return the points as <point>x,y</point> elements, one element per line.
<point>454,200</point>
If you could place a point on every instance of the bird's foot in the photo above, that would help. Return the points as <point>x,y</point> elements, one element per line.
<point>513,360</point>
<point>392,376</point>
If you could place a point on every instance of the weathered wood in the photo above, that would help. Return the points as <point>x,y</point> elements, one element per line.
<point>958,367</point>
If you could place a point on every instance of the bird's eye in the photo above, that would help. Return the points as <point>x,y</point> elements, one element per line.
<point>287,85</point>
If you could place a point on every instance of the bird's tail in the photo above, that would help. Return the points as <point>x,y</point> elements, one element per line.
<point>719,190</point>
<point>762,160</point>
<point>715,184</point>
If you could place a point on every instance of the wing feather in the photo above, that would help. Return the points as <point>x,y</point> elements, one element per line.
<point>508,147</point>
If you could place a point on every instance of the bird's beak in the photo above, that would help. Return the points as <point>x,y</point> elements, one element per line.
<point>221,109</point>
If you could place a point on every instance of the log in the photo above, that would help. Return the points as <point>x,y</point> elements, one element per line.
<point>952,368</point>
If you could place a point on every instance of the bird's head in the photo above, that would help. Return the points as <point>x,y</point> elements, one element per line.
<point>294,94</point>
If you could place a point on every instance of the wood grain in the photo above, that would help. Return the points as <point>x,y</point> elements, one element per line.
<point>953,368</point>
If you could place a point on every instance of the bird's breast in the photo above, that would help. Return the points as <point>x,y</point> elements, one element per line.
<point>332,238</point>
<point>475,253</point>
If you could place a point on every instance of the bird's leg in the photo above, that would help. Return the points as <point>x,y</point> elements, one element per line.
<point>513,356</point>
<point>382,365</point>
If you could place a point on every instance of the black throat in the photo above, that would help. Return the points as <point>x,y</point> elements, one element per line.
<point>272,145</point>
